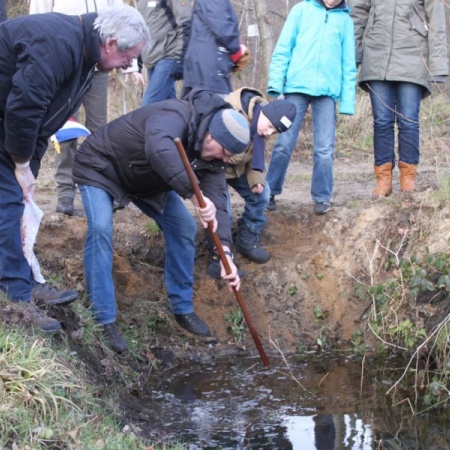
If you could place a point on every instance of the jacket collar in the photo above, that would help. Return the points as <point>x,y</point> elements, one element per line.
<point>341,5</point>
<point>91,39</point>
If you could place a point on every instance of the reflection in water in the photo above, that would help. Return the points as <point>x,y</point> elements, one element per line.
<point>324,432</point>
<point>236,404</point>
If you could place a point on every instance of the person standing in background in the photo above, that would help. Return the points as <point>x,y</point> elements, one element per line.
<point>170,24</point>
<point>3,15</point>
<point>37,96</point>
<point>95,102</point>
<point>214,49</point>
<point>402,48</point>
<point>313,64</point>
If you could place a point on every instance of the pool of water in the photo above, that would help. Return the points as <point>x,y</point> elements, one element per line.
<point>320,403</point>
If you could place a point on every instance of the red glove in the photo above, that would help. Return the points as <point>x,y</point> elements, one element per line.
<point>242,61</point>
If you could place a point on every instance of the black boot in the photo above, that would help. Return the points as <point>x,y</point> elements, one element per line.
<point>65,206</point>
<point>247,244</point>
<point>192,323</point>
<point>114,338</point>
<point>272,205</point>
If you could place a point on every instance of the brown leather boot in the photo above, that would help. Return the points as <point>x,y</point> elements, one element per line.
<point>407,176</point>
<point>384,180</point>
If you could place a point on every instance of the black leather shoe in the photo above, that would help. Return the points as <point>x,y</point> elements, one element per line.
<point>48,295</point>
<point>272,206</point>
<point>321,208</point>
<point>192,323</point>
<point>114,338</point>
<point>65,206</point>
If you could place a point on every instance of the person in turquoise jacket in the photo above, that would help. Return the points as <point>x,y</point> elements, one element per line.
<point>313,63</point>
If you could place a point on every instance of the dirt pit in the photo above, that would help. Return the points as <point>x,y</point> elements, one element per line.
<point>303,297</point>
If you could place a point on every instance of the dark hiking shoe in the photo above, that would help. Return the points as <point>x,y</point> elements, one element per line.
<point>192,323</point>
<point>48,295</point>
<point>37,318</point>
<point>65,206</point>
<point>213,269</point>
<point>247,244</point>
<point>254,253</point>
<point>117,206</point>
<point>272,205</point>
<point>321,208</point>
<point>114,338</point>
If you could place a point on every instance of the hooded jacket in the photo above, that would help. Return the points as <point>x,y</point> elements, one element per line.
<point>46,67</point>
<point>244,101</point>
<point>169,22</point>
<point>400,40</point>
<point>135,155</point>
<point>315,55</point>
<point>214,38</point>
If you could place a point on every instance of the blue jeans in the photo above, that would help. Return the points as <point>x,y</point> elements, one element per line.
<point>255,204</point>
<point>15,272</point>
<point>98,251</point>
<point>324,124</point>
<point>395,102</point>
<point>162,77</point>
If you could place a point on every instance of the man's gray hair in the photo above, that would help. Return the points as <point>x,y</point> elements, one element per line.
<point>124,23</point>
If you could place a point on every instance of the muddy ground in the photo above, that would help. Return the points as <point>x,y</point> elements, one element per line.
<point>302,296</point>
<point>302,299</point>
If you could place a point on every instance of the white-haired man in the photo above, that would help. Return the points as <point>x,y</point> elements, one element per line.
<point>47,65</point>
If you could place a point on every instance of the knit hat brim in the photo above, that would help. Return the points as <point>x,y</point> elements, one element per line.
<point>281,114</point>
<point>231,130</point>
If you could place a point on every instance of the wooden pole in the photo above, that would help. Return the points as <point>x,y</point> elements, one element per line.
<point>223,258</point>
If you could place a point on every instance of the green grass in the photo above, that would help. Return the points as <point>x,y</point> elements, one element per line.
<point>47,398</point>
<point>153,229</point>
<point>46,402</point>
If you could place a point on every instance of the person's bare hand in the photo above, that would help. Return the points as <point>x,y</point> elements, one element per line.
<point>258,188</point>
<point>26,179</point>
<point>206,214</point>
<point>233,277</point>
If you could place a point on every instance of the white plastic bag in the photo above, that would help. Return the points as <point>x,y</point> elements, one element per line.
<point>31,220</point>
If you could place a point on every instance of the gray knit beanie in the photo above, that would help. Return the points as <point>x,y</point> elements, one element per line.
<point>230,129</point>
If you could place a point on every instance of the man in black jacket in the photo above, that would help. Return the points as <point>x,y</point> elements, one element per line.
<point>46,67</point>
<point>3,15</point>
<point>134,159</point>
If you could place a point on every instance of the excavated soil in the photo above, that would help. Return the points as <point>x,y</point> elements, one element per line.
<point>303,296</point>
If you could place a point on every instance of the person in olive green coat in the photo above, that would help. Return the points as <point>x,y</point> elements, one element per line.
<point>401,47</point>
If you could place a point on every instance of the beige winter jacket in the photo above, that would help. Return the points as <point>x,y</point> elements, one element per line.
<point>242,163</point>
<point>400,40</point>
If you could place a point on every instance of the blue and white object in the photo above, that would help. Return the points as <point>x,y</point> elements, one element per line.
<point>70,130</point>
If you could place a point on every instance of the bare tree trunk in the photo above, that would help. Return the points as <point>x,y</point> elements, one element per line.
<point>265,43</point>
